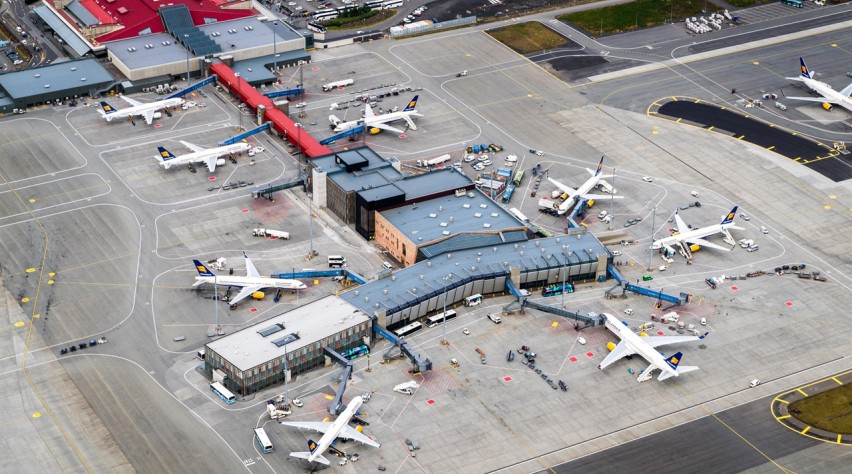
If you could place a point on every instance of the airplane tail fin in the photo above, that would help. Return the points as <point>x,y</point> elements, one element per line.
<point>411,105</point>
<point>674,360</point>
<point>312,446</point>
<point>805,72</point>
<point>202,269</point>
<point>600,166</point>
<point>730,217</point>
<point>165,156</point>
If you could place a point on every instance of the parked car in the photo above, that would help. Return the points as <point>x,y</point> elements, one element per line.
<point>745,217</point>
<point>298,403</point>
<point>647,179</point>
<point>764,229</point>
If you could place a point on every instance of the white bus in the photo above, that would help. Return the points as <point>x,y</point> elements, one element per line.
<point>439,318</point>
<point>473,300</point>
<point>410,329</point>
<point>374,4</point>
<point>223,393</point>
<point>324,15</point>
<point>263,440</point>
<point>316,27</point>
<point>391,4</point>
<point>336,261</point>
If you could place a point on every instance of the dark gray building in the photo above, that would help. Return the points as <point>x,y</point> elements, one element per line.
<point>61,81</point>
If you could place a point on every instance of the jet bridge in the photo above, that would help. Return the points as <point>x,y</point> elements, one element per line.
<point>194,87</point>
<point>242,136</point>
<point>347,133</point>
<point>626,286</point>
<point>420,364</point>
<point>336,406</point>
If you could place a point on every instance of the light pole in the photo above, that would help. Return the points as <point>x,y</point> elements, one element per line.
<point>239,99</point>
<point>286,376</point>
<point>274,51</point>
<point>299,136</point>
<point>311,225</point>
<point>186,45</point>
<point>564,276</point>
<point>446,279</point>
<point>611,198</point>
<point>653,223</point>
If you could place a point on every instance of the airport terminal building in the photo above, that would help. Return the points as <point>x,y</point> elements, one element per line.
<point>252,359</point>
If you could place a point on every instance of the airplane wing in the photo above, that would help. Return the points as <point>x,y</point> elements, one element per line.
<point>244,293</point>
<point>621,351</point>
<point>211,163</point>
<point>132,102</point>
<point>705,243</point>
<point>320,426</point>
<point>605,185</point>
<point>601,196</point>
<point>565,189</point>
<point>350,433</point>
<point>368,112</point>
<point>681,225</point>
<point>847,90</point>
<point>251,271</point>
<point>409,122</point>
<point>149,116</point>
<point>681,369</point>
<point>383,126</point>
<point>194,148</point>
<point>658,341</point>
<point>815,99</point>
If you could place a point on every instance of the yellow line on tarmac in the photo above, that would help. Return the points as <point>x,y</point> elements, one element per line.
<point>838,381</point>
<point>802,392</point>
<point>807,428</point>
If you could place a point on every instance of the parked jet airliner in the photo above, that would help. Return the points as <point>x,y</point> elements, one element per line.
<point>581,192</point>
<point>829,95</point>
<point>372,120</point>
<point>199,155</point>
<point>142,109</point>
<point>250,283</point>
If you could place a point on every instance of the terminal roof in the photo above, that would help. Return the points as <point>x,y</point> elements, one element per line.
<point>247,348</point>
<point>55,77</point>
<point>164,50</point>
<point>427,277</point>
<point>441,217</point>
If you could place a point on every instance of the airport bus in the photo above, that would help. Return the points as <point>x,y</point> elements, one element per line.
<point>356,352</point>
<point>439,318</point>
<point>316,27</point>
<point>410,329</point>
<point>263,440</point>
<point>558,289</point>
<point>223,393</point>
<point>794,3</point>
<point>336,261</point>
<point>507,194</point>
<point>391,4</point>
<point>374,4</point>
<point>473,300</point>
<point>325,14</point>
<point>519,176</point>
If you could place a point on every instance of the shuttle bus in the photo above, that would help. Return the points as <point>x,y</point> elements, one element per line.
<point>558,289</point>
<point>356,352</point>
<point>392,4</point>
<point>223,393</point>
<point>410,329</point>
<point>325,14</point>
<point>515,212</point>
<point>439,318</point>
<point>473,300</point>
<point>263,440</point>
<point>316,27</point>
<point>336,261</point>
<point>374,4</point>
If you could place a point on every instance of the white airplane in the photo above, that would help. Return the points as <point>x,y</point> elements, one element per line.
<point>829,95</point>
<point>250,283</point>
<point>199,154</point>
<point>631,343</point>
<point>149,110</point>
<point>581,192</point>
<point>331,431</point>
<point>371,120</point>
<point>686,237</point>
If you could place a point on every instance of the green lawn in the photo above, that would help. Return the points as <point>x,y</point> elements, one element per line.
<point>629,16</point>
<point>528,37</point>
<point>831,410</point>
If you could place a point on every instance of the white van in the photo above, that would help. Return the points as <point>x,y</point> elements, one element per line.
<point>754,383</point>
<point>495,318</point>
<point>602,214</point>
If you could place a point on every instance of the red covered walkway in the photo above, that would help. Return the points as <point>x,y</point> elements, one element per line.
<point>280,121</point>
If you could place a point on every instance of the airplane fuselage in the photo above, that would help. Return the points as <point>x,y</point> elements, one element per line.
<point>635,342</point>
<point>828,92</point>
<point>334,431</point>
<point>142,109</point>
<point>264,282</point>
<point>691,234</point>
<point>378,119</point>
<point>200,156</point>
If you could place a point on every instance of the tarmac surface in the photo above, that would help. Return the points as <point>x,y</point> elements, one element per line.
<point>110,236</point>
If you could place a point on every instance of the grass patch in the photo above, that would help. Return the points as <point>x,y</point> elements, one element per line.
<point>830,411</point>
<point>528,37</point>
<point>357,18</point>
<point>633,15</point>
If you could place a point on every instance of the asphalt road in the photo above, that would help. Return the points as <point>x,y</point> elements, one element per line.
<point>731,441</point>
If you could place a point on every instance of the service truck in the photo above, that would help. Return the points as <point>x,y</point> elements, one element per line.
<point>278,234</point>
<point>434,161</point>
<point>336,84</point>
